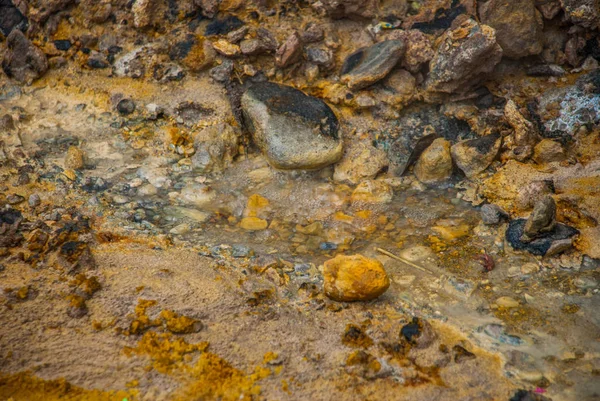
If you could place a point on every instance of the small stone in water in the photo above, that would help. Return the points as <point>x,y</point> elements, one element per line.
<point>253,224</point>
<point>507,302</point>
<point>327,246</point>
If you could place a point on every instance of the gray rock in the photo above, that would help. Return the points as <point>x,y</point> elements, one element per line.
<point>541,220</point>
<point>462,60</point>
<point>319,56</point>
<point>34,200</point>
<point>492,214</point>
<point>126,107</point>
<point>22,60</point>
<point>293,130</point>
<point>475,155</point>
<point>222,73</point>
<point>371,64</point>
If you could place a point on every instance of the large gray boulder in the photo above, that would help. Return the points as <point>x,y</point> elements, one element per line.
<point>292,129</point>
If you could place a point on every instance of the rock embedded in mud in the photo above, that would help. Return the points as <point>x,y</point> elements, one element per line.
<point>354,278</point>
<point>292,129</point>
<point>23,61</point>
<point>371,64</point>
<point>435,163</point>
<point>418,333</point>
<point>518,25</point>
<point>418,49</point>
<point>475,155</point>
<point>361,161</point>
<point>466,53</point>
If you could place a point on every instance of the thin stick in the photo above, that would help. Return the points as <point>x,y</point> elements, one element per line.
<point>391,255</point>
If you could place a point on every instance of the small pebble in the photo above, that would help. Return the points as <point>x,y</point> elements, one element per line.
<point>34,200</point>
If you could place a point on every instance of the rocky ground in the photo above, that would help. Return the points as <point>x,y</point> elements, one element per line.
<point>303,200</point>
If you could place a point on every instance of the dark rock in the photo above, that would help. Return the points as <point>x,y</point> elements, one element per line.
<point>527,395</point>
<point>11,18</point>
<point>294,130</point>
<point>418,333</point>
<point>475,155</point>
<point>546,70</point>
<point>22,60</point>
<point>540,245</point>
<point>541,220</point>
<point>518,25</point>
<point>371,64</point>
<point>97,61</point>
<point>492,214</point>
<point>290,51</point>
<point>63,45</point>
<point>442,19</point>
<point>466,54</point>
<point>125,107</point>
<point>223,26</point>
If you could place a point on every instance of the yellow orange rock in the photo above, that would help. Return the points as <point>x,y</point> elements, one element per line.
<point>253,224</point>
<point>74,158</point>
<point>354,278</point>
<point>372,191</point>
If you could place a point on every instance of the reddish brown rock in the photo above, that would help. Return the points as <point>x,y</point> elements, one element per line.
<point>23,61</point>
<point>289,52</point>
